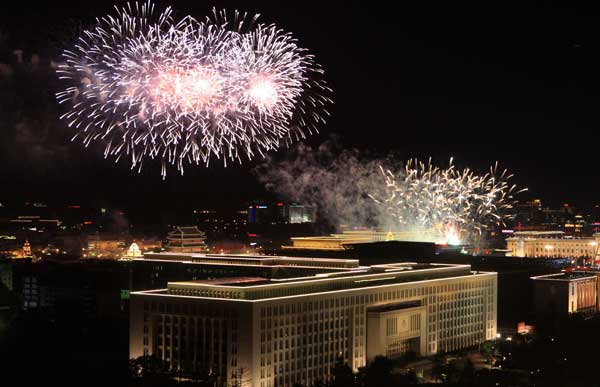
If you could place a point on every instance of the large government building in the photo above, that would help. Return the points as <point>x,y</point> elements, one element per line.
<point>349,237</point>
<point>551,244</point>
<point>277,330</point>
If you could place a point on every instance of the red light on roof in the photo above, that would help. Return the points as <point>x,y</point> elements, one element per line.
<point>87,222</point>
<point>566,205</point>
<point>251,235</point>
<point>75,206</point>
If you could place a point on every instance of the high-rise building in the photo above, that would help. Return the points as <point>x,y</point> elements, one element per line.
<point>275,332</point>
<point>186,240</point>
<point>280,213</point>
<point>299,213</point>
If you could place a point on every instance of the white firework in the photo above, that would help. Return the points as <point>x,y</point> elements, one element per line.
<point>455,203</point>
<point>188,91</point>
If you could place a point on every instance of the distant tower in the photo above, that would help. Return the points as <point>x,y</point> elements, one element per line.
<point>389,236</point>
<point>27,250</point>
<point>187,240</point>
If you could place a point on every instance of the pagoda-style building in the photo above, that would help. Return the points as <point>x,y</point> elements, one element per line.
<point>27,250</point>
<point>186,240</point>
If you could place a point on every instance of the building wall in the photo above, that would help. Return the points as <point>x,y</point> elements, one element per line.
<point>6,275</point>
<point>196,335</point>
<point>283,340</point>
<point>323,243</point>
<point>561,297</point>
<point>582,295</point>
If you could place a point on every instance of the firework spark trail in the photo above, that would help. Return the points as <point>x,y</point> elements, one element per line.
<point>188,91</point>
<point>450,201</point>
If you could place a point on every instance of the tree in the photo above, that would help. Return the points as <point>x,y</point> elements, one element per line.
<point>240,378</point>
<point>148,364</point>
<point>342,374</point>
<point>378,373</point>
<point>438,371</point>
<point>467,377</point>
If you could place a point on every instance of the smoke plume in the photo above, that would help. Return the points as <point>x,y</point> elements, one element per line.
<point>336,182</point>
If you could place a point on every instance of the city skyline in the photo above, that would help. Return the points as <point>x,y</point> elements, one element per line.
<point>333,194</point>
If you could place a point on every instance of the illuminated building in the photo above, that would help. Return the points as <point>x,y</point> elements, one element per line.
<point>277,213</point>
<point>531,216</point>
<point>132,252</point>
<point>222,225</point>
<point>566,293</point>
<point>27,250</point>
<point>551,244</point>
<point>298,213</point>
<point>339,241</point>
<point>23,252</point>
<point>102,247</point>
<point>186,240</point>
<point>148,244</point>
<point>275,332</point>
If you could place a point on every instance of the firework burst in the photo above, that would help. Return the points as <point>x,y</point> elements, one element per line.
<point>457,204</point>
<point>189,91</point>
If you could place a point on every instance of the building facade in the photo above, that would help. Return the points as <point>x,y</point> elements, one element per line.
<point>551,244</point>
<point>262,332</point>
<point>566,293</point>
<point>339,242</point>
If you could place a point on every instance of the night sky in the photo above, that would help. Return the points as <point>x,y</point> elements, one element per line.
<point>496,81</point>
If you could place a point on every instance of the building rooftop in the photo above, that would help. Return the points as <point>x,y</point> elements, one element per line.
<point>564,276</point>
<point>548,235</point>
<point>232,281</point>
<point>348,237</point>
<point>257,288</point>
<point>186,231</point>
<point>253,260</point>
